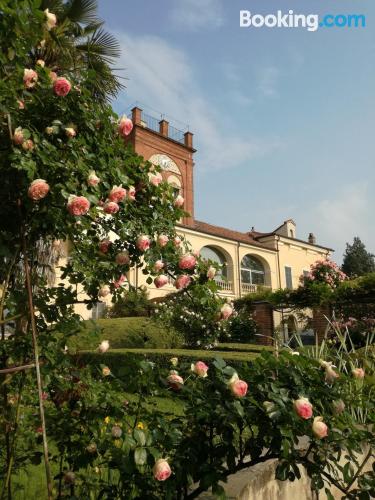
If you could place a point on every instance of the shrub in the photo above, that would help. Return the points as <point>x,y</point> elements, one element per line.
<point>133,302</point>
<point>241,328</point>
<point>125,333</point>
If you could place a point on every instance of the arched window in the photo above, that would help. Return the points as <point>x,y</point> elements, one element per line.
<point>210,253</point>
<point>252,271</point>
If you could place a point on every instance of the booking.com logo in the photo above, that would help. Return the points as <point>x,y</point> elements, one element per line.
<point>310,21</point>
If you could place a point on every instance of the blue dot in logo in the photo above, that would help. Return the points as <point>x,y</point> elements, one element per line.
<point>321,25</point>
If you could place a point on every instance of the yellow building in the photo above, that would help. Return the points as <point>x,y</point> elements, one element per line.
<point>251,259</point>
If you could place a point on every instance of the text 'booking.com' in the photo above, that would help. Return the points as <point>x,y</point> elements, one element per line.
<point>311,22</point>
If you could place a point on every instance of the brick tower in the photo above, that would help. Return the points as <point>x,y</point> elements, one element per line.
<point>172,149</point>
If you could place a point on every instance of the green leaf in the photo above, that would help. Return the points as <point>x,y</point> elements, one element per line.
<point>140,456</point>
<point>140,437</point>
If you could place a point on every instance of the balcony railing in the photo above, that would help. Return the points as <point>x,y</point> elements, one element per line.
<point>250,288</point>
<point>225,286</point>
<point>153,123</point>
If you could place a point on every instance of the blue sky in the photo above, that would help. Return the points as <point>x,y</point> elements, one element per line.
<point>284,119</point>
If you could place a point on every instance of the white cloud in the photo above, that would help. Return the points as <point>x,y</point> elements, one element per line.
<point>346,214</point>
<point>163,77</point>
<point>267,81</point>
<point>196,14</point>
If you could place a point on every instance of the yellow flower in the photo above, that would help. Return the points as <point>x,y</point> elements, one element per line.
<point>107,420</point>
<point>140,426</point>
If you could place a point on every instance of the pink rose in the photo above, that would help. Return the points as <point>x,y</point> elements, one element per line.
<point>103,346</point>
<point>125,126</point>
<point>179,201</point>
<point>70,132</point>
<point>161,470</point>
<point>28,145</point>
<point>237,386</point>
<point>187,261</point>
<point>21,104</point>
<point>143,243</point>
<point>122,259</point>
<point>117,194</point>
<point>18,136</point>
<point>30,77</point>
<point>182,281</point>
<point>155,179</point>
<point>160,281</point>
<point>330,375</point>
<point>104,245</point>
<point>38,189</point>
<point>176,241</point>
<point>226,311</point>
<point>120,281</point>
<point>358,373</point>
<point>175,381</point>
<point>61,86</point>
<point>111,207</point>
<point>303,408</point>
<point>131,193</point>
<point>162,240</point>
<point>200,368</point>
<point>78,205</point>
<point>93,179</point>
<point>158,266</point>
<point>319,428</point>
<point>104,291</point>
<point>51,20</point>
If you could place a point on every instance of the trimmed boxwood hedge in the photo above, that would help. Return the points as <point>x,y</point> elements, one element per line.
<point>122,361</point>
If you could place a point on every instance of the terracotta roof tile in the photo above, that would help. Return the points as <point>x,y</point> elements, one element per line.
<point>223,232</point>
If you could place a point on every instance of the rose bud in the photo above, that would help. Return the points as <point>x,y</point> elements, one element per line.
<point>200,368</point>
<point>237,386</point>
<point>176,241</point>
<point>174,361</point>
<point>103,346</point>
<point>161,470</point>
<point>125,126</point>
<point>358,373</point>
<point>69,477</point>
<point>70,132</point>
<point>18,136</point>
<point>179,201</point>
<point>162,240</point>
<point>131,193</point>
<point>104,245</point>
<point>122,259</point>
<point>226,311</point>
<point>160,281</point>
<point>106,371</point>
<point>143,243</point>
<point>51,20</point>
<point>211,273</point>
<point>319,428</point>
<point>338,406</point>
<point>104,291</point>
<point>92,448</point>
<point>158,266</point>
<point>182,281</point>
<point>110,207</point>
<point>303,408</point>
<point>30,77</point>
<point>175,381</point>
<point>120,281</point>
<point>155,179</point>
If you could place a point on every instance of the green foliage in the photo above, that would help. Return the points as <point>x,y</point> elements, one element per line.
<point>241,328</point>
<point>124,333</point>
<point>357,260</point>
<point>195,313</point>
<point>133,302</point>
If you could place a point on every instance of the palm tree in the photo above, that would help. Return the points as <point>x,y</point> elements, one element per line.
<point>80,42</point>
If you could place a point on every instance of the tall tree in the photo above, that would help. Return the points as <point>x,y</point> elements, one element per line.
<point>357,260</point>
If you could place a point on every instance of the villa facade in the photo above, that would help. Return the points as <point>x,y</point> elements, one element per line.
<point>248,260</point>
